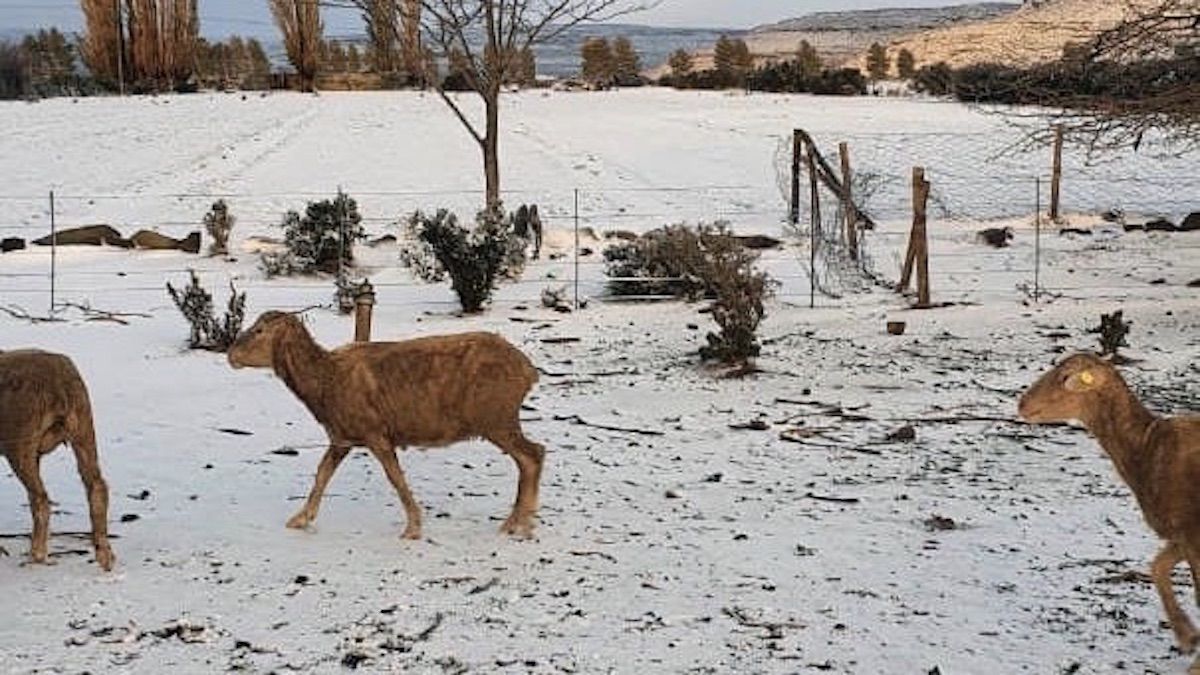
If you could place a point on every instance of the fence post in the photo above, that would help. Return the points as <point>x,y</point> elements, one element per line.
<point>1037,239</point>
<point>920,198</point>
<point>815,227</point>
<point>1056,177</point>
<point>364,303</point>
<point>53,253</point>
<point>576,249</point>
<point>794,213</point>
<point>851,214</point>
<point>918,246</point>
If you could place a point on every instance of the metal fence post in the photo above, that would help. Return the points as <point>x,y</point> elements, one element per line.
<point>53,253</point>
<point>577,249</point>
<point>1037,239</point>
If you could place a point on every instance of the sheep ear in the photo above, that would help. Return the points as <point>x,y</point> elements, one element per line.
<point>1084,380</point>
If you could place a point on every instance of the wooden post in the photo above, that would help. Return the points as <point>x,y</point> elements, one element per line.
<point>815,226</point>
<point>851,213</point>
<point>364,303</point>
<point>918,247</point>
<point>576,249</point>
<point>797,150</point>
<point>1056,177</point>
<point>1037,239</point>
<point>53,254</point>
<point>920,199</point>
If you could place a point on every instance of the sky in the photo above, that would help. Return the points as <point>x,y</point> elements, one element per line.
<point>219,18</point>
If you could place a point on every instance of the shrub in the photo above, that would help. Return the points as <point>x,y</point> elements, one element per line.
<point>474,259</point>
<point>218,222</point>
<point>196,305</point>
<point>1113,330</point>
<point>694,263</point>
<point>324,237</point>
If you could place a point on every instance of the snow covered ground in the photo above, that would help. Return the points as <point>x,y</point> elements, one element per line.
<point>979,547</point>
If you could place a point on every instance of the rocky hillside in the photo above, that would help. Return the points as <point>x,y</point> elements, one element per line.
<point>1035,33</point>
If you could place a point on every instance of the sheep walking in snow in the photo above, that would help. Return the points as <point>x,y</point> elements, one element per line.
<point>427,392</point>
<point>44,404</point>
<point>1158,457</point>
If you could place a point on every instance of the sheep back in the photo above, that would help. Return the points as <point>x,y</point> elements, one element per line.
<point>429,391</point>
<point>42,400</point>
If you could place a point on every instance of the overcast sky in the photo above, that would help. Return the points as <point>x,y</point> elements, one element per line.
<point>222,17</point>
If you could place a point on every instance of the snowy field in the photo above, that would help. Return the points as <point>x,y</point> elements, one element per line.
<point>669,542</point>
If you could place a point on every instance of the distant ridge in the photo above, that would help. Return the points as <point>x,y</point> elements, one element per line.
<point>892,18</point>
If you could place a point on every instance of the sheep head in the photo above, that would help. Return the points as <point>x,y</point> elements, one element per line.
<point>1069,391</point>
<point>255,347</point>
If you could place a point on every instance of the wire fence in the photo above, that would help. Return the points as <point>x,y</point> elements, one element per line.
<point>972,188</point>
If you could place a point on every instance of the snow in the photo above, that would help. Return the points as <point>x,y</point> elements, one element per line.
<point>653,550</point>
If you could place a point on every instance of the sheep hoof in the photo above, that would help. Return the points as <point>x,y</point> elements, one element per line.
<point>413,533</point>
<point>299,521</point>
<point>1187,639</point>
<point>104,558</point>
<point>520,528</point>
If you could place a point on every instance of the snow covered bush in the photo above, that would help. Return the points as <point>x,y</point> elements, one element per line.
<point>218,222</point>
<point>196,305</point>
<point>697,263</point>
<point>322,238</point>
<point>474,259</point>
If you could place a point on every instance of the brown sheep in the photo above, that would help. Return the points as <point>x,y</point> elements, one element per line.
<point>43,404</point>
<point>427,392</point>
<point>1158,457</point>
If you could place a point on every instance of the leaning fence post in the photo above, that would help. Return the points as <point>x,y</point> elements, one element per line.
<point>815,227</point>
<point>53,253</point>
<point>918,247</point>
<point>364,303</point>
<point>851,214</point>
<point>1056,177</point>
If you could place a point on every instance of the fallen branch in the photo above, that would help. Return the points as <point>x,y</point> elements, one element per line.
<point>93,314</point>
<point>425,634</point>
<point>576,419</point>
<point>18,313</point>
<point>491,583</point>
<point>836,500</point>
<point>597,554</point>
<point>774,628</point>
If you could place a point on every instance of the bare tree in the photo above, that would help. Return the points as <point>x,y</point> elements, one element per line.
<point>1142,80</point>
<point>100,46</point>
<point>300,23</point>
<point>492,35</point>
<point>163,35</point>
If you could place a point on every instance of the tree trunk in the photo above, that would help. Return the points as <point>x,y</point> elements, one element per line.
<point>491,148</point>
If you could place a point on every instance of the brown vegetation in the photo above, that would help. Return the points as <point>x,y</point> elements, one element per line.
<point>427,392</point>
<point>43,404</point>
<point>1158,457</point>
<point>300,23</point>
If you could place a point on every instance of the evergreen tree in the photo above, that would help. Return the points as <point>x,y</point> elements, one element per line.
<point>599,65</point>
<point>723,56</point>
<point>878,62</point>
<point>906,64</point>
<point>681,62</point>
<point>626,62</point>
<point>808,62</point>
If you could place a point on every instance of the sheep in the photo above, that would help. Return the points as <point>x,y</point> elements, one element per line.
<point>1158,457</point>
<point>43,404</point>
<point>428,392</point>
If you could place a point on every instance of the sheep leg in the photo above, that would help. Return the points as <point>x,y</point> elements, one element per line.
<point>329,464</point>
<point>529,457</point>
<point>1160,571</point>
<point>27,467</point>
<point>97,495</point>
<point>386,454</point>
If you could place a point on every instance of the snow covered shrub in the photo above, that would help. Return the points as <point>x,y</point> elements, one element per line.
<point>196,305</point>
<point>1113,330</point>
<point>740,291</point>
<point>219,223</point>
<point>279,264</point>
<point>324,236</point>
<point>474,259</point>
<point>669,261</point>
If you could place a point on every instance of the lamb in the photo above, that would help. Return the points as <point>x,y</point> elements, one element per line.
<point>1158,457</point>
<point>427,392</point>
<point>43,404</point>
